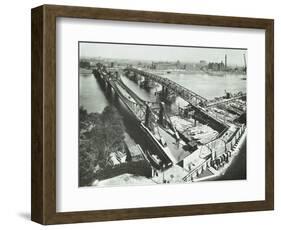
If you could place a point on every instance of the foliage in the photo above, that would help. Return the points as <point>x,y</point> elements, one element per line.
<point>87,164</point>
<point>84,64</point>
<point>107,136</point>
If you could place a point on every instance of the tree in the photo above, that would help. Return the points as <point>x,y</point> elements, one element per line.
<point>107,136</point>
<point>83,114</point>
<point>87,164</point>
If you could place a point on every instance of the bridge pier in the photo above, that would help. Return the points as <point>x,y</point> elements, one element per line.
<point>147,84</point>
<point>133,76</point>
<point>99,78</point>
<point>161,114</point>
<point>148,119</point>
<point>108,88</point>
<point>186,112</point>
<point>166,95</point>
<point>164,92</point>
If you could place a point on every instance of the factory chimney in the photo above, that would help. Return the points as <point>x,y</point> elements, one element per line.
<point>225,61</point>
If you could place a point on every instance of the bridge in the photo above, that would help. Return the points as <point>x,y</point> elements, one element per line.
<point>111,80</point>
<point>167,84</point>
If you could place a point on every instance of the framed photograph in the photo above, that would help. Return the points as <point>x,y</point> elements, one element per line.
<point>140,114</point>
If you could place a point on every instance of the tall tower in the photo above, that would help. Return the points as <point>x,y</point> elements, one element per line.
<point>225,61</point>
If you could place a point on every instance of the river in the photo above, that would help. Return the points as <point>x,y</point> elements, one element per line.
<point>93,98</point>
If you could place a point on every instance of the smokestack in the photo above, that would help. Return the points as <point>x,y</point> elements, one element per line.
<point>225,61</point>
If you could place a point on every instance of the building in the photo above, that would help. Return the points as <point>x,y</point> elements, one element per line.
<point>136,153</point>
<point>116,158</point>
<point>203,63</point>
<point>216,66</point>
<point>166,65</point>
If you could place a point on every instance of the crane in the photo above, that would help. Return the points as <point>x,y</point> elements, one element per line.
<point>245,63</point>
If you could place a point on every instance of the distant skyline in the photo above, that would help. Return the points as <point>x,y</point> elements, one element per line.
<point>162,53</point>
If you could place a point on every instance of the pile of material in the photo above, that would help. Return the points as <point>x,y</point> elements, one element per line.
<point>181,124</point>
<point>203,133</point>
<point>200,133</point>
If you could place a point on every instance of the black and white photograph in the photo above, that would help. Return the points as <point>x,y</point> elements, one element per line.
<point>161,114</point>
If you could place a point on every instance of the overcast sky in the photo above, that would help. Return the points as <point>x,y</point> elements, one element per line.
<point>161,53</point>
